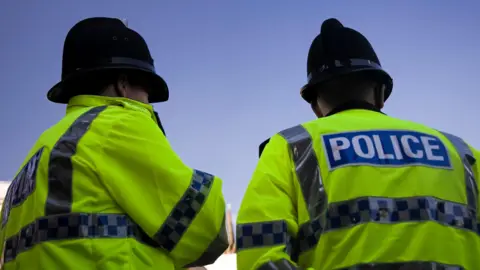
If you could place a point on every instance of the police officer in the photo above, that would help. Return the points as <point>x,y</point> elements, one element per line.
<point>355,188</point>
<point>103,189</point>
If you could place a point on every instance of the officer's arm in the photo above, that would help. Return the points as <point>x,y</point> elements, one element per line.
<point>2,240</point>
<point>476,173</point>
<point>268,218</point>
<point>182,209</point>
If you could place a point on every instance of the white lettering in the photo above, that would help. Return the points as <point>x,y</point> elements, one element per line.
<point>379,147</point>
<point>358,148</point>
<point>388,148</point>
<point>337,145</point>
<point>429,147</point>
<point>406,146</point>
<point>396,147</point>
<point>21,187</point>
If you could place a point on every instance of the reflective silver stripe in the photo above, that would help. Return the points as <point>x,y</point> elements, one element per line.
<point>406,265</point>
<point>387,211</point>
<point>278,265</point>
<point>262,234</point>
<point>185,211</point>
<point>72,226</point>
<point>468,161</point>
<point>60,170</point>
<point>307,169</point>
<point>214,250</point>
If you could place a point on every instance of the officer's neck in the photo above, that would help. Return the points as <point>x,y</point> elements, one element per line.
<point>350,105</point>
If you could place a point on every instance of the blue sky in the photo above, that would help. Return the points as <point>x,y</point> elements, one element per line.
<point>235,69</point>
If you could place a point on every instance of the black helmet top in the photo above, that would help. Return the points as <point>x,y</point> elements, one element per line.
<point>96,45</point>
<point>338,51</point>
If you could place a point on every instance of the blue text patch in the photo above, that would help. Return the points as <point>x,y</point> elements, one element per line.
<point>385,148</point>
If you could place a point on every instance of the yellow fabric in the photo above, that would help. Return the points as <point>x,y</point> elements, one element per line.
<point>123,164</point>
<point>274,194</point>
<point>269,197</point>
<point>476,172</point>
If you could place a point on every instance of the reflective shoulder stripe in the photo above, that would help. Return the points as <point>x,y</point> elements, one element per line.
<point>307,169</point>
<point>70,226</point>
<point>60,168</point>
<point>279,265</point>
<point>468,161</point>
<point>262,234</point>
<point>73,226</point>
<point>185,211</point>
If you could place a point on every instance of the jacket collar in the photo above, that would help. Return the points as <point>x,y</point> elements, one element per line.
<point>95,101</point>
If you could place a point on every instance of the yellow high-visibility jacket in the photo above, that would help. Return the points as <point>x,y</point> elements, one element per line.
<point>360,188</point>
<point>103,189</point>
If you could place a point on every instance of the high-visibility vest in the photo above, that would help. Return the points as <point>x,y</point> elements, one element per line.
<point>357,189</point>
<point>102,189</point>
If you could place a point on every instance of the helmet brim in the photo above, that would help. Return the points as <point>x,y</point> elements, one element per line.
<point>309,91</point>
<point>58,93</point>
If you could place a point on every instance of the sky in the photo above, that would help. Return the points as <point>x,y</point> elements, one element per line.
<point>234,69</point>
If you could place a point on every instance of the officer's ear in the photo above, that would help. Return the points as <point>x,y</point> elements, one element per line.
<point>379,95</point>
<point>122,85</point>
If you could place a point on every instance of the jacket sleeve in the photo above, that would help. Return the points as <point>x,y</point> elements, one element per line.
<point>268,217</point>
<point>476,173</point>
<point>2,241</point>
<point>181,209</point>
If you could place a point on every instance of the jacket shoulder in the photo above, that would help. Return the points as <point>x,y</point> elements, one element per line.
<point>461,146</point>
<point>290,134</point>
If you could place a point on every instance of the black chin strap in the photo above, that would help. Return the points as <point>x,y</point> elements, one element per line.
<point>159,122</point>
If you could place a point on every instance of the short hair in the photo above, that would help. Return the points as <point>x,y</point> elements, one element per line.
<point>350,87</point>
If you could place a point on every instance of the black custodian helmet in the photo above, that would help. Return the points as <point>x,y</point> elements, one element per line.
<point>339,51</point>
<point>96,45</point>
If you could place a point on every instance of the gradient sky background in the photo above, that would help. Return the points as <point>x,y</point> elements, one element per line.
<point>235,69</point>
